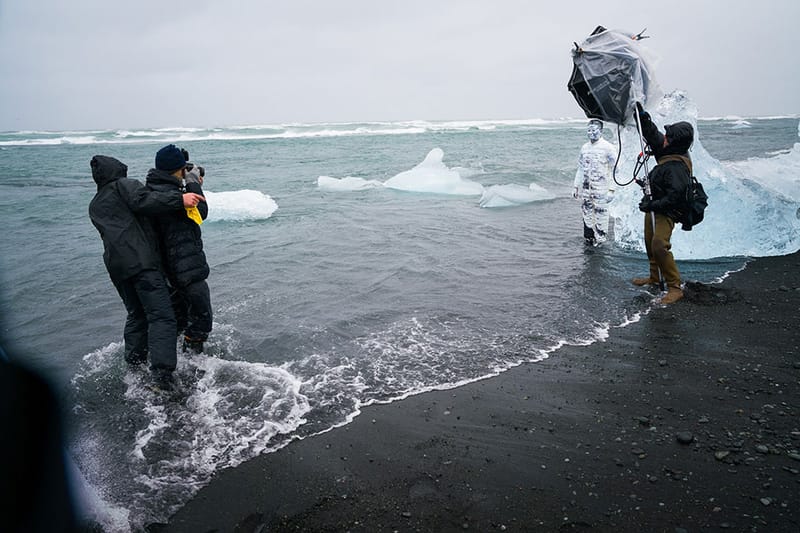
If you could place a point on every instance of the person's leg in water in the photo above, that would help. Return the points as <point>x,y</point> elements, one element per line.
<point>179,307</point>
<point>135,332</point>
<point>200,316</point>
<point>600,220</point>
<point>153,294</point>
<point>587,212</point>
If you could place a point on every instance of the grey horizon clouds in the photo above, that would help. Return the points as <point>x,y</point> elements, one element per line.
<point>102,64</point>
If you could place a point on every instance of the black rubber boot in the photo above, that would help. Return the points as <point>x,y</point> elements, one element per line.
<point>191,345</point>
<point>163,380</point>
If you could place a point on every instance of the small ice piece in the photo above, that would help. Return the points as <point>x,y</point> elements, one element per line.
<point>511,195</point>
<point>327,183</point>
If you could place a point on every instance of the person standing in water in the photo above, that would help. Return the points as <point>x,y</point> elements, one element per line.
<point>593,184</point>
<point>194,182</point>
<point>121,212</point>
<point>182,245</point>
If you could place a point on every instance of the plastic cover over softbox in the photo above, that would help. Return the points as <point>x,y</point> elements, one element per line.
<point>610,74</point>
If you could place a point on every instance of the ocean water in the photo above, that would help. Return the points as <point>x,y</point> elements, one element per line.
<point>350,264</point>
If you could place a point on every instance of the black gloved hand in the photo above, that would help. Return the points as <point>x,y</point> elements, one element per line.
<point>644,205</point>
<point>643,115</point>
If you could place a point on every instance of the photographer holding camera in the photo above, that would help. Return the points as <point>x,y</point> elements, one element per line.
<point>182,246</point>
<point>194,173</point>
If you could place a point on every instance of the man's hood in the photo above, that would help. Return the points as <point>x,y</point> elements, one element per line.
<point>107,169</point>
<point>680,137</point>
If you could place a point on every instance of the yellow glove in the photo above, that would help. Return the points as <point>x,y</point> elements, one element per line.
<point>194,214</point>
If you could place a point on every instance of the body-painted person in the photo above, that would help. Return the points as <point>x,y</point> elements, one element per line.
<point>593,184</point>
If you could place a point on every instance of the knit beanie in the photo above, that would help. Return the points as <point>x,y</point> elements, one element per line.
<point>170,158</point>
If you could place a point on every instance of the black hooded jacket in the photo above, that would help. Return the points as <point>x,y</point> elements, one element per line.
<point>180,238</point>
<point>119,211</point>
<point>670,177</point>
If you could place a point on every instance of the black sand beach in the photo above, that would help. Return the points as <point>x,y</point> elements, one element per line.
<point>684,421</point>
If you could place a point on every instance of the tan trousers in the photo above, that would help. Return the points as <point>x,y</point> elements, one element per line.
<point>658,249</point>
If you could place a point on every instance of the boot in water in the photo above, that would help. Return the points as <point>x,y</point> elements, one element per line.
<point>162,380</point>
<point>640,282</point>
<point>191,345</point>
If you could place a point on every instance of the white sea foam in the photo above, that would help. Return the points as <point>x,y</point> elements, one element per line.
<point>99,360</point>
<point>51,141</point>
<point>270,131</point>
<point>737,117</point>
<point>122,134</point>
<point>299,131</point>
<point>231,411</point>
<point>239,205</point>
<point>231,414</point>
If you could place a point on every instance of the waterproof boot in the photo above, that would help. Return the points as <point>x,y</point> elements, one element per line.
<point>135,360</point>
<point>639,282</point>
<point>673,295</point>
<point>191,345</point>
<point>163,380</point>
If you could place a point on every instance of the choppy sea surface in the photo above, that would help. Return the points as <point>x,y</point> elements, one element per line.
<point>350,264</point>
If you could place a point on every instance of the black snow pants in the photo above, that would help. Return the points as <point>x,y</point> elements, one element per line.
<point>150,327</point>
<point>192,306</point>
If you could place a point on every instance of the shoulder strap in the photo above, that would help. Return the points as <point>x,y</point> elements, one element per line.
<point>682,158</point>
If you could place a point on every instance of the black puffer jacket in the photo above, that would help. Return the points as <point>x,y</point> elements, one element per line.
<point>179,237</point>
<point>119,211</point>
<point>670,177</point>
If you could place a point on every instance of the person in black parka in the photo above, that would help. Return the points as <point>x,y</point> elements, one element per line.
<point>669,180</point>
<point>181,244</point>
<point>120,211</point>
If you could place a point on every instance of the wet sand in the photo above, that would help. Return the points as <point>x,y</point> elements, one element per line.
<point>686,420</point>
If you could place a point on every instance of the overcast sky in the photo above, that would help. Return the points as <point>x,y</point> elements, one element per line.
<point>85,64</point>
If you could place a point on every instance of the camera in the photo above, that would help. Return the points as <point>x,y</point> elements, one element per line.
<point>190,166</point>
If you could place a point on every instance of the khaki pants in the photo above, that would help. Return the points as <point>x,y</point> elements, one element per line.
<point>658,249</point>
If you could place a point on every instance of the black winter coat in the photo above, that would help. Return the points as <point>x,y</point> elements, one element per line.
<point>670,177</point>
<point>119,211</point>
<point>180,238</point>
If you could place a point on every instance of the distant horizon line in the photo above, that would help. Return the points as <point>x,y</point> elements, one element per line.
<point>256,125</point>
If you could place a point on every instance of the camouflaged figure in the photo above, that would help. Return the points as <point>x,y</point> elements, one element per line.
<point>594,185</point>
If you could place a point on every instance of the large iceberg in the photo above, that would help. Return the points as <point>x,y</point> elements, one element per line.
<point>752,206</point>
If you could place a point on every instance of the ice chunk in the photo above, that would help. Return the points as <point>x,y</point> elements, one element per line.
<point>245,204</point>
<point>744,217</point>
<point>327,183</point>
<point>510,195</point>
<point>433,176</point>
